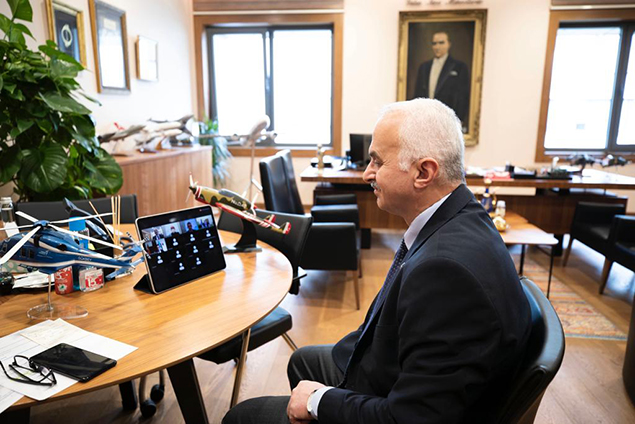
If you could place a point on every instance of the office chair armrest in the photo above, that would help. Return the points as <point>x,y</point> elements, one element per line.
<point>335,199</point>
<point>336,213</point>
<point>331,246</point>
<point>596,213</point>
<point>623,229</point>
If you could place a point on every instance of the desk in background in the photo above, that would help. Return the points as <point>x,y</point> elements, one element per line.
<point>171,328</point>
<point>550,209</point>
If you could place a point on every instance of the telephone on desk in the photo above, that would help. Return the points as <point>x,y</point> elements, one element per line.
<point>335,162</point>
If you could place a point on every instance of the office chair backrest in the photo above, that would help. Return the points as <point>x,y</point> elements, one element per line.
<point>543,357</point>
<point>275,185</point>
<point>53,211</point>
<point>290,245</point>
<point>293,185</point>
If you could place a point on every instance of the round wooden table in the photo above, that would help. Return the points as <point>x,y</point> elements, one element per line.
<point>171,328</point>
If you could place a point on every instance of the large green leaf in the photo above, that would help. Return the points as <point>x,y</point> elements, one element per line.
<point>1,82</point>
<point>51,50</point>
<point>9,163</point>
<point>5,24</point>
<point>21,9</point>
<point>64,103</point>
<point>44,169</point>
<point>104,173</point>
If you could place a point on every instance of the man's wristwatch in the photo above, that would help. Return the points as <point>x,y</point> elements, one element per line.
<point>309,406</point>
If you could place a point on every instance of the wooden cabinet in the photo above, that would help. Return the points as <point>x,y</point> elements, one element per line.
<point>161,180</point>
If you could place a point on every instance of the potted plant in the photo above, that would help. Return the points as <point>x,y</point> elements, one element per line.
<point>48,148</point>
<point>220,153</point>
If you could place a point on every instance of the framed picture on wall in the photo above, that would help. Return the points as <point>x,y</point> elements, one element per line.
<point>147,59</point>
<point>441,57</point>
<point>66,28</point>
<point>110,45</point>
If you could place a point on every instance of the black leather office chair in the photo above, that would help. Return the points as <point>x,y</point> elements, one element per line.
<point>621,246</point>
<point>591,225</point>
<point>53,211</point>
<point>278,322</point>
<point>330,246</point>
<point>543,357</point>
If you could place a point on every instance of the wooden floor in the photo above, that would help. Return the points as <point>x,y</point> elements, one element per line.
<point>588,388</point>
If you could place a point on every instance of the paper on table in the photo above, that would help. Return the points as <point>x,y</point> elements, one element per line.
<point>37,338</point>
<point>15,344</point>
<point>8,398</point>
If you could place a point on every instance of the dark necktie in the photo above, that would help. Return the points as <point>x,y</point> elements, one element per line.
<point>390,278</point>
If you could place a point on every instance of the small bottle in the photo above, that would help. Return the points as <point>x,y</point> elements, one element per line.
<point>486,201</point>
<point>7,215</point>
<point>500,208</point>
<point>320,157</point>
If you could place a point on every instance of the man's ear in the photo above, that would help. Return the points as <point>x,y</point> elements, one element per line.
<point>427,171</point>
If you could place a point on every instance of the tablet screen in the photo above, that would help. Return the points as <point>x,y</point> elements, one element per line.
<point>73,362</point>
<point>180,246</point>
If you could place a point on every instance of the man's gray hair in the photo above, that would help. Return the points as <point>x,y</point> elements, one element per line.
<point>430,129</point>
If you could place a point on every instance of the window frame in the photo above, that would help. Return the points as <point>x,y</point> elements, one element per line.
<point>586,18</point>
<point>334,21</point>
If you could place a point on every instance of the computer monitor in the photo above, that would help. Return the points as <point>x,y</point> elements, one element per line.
<point>359,149</point>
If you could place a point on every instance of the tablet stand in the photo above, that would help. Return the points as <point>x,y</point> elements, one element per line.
<point>143,285</point>
<point>247,242</point>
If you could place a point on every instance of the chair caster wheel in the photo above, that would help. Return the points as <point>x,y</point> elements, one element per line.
<point>157,392</point>
<point>148,408</point>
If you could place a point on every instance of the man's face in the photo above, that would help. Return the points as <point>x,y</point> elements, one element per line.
<point>440,44</point>
<point>393,187</point>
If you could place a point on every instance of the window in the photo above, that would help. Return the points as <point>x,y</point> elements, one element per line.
<point>285,65</point>
<point>284,72</point>
<point>590,85</point>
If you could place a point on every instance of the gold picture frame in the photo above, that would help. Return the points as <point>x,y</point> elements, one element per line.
<point>110,45</point>
<point>66,29</point>
<point>443,51</point>
<point>147,59</point>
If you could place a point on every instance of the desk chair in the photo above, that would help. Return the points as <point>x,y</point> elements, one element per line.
<point>621,246</point>
<point>278,322</point>
<point>330,245</point>
<point>543,357</point>
<point>592,226</point>
<point>53,211</point>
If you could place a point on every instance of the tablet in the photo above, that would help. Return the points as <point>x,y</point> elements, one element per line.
<point>73,362</point>
<point>180,247</point>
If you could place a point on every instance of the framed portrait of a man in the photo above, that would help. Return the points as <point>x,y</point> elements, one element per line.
<point>441,57</point>
<point>66,28</point>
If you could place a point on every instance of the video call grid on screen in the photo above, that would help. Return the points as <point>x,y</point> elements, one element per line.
<point>181,246</point>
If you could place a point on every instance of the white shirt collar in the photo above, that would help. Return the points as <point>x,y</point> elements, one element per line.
<point>442,59</point>
<point>420,221</point>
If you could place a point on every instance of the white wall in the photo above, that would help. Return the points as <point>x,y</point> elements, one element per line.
<point>515,48</point>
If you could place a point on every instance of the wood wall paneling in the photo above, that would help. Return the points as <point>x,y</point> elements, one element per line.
<point>161,180</point>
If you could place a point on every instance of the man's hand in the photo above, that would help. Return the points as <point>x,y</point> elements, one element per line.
<point>296,410</point>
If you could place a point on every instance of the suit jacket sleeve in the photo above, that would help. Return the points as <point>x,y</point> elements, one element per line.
<point>448,336</point>
<point>421,85</point>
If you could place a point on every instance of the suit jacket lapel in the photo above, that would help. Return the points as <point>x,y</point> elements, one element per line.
<point>448,67</point>
<point>452,205</point>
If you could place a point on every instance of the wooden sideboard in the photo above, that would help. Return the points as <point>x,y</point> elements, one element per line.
<point>161,180</point>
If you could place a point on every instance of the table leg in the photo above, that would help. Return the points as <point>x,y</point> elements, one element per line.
<point>188,392</point>
<point>365,238</point>
<point>522,260</point>
<point>128,395</point>
<point>550,271</point>
<point>17,416</point>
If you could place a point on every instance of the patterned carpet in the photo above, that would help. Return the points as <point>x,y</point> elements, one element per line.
<point>579,319</point>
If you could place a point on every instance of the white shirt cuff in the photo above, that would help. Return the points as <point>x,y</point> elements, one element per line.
<point>315,398</point>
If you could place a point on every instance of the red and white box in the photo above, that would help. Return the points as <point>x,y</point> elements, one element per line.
<point>91,279</point>
<point>64,280</point>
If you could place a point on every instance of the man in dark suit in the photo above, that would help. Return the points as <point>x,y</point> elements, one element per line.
<point>445,79</point>
<point>442,339</point>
